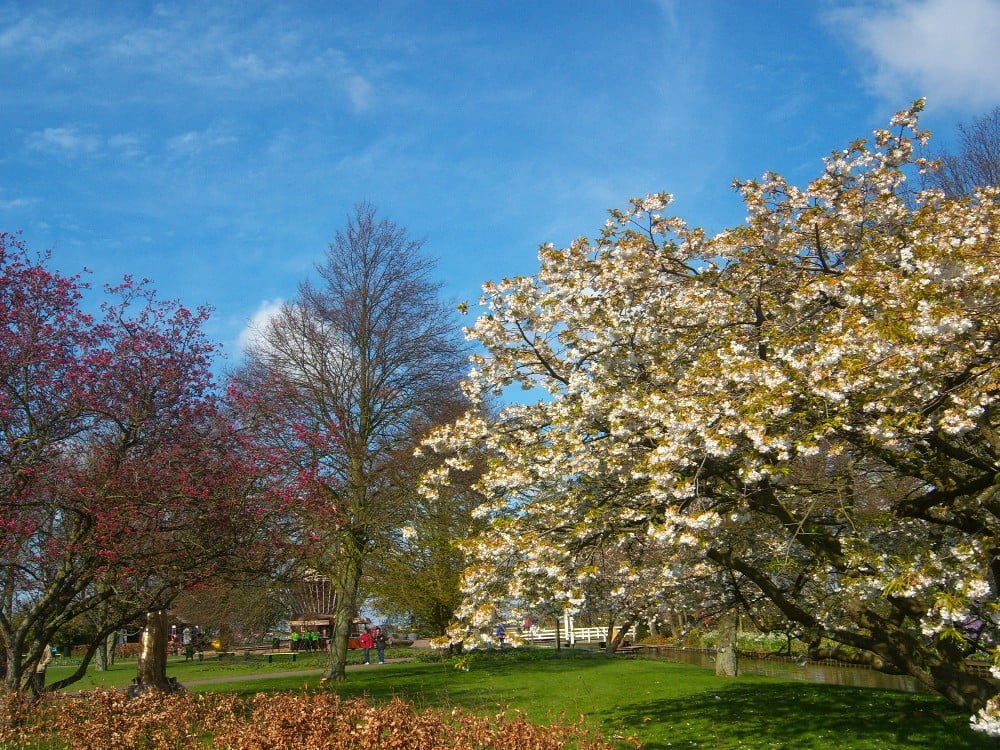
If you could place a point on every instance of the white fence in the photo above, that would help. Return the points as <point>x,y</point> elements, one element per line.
<point>571,635</point>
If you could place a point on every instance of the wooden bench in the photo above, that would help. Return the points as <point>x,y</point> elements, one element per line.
<point>271,654</point>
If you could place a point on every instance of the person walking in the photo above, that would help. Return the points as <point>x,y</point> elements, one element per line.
<point>381,641</point>
<point>367,641</point>
<point>294,638</point>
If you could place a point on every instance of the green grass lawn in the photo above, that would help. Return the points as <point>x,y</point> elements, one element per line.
<point>122,672</point>
<point>664,705</point>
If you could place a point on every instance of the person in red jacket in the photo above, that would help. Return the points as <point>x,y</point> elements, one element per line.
<point>367,641</point>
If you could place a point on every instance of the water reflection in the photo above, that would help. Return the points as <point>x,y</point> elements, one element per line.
<point>790,670</point>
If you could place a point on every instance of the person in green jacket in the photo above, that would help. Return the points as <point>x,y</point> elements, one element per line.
<point>295,640</point>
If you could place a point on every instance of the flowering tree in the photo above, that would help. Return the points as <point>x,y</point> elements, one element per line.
<point>121,480</point>
<point>802,410</point>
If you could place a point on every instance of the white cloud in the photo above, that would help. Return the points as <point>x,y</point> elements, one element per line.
<point>43,34</point>
<point>250,336</point>
<point>126,144</point>
<point>202,48</point>
<point>8,205</point>
<point>946,50</point>
<point>72,141</point>
<point>68,141</point>
<point>359,92</point>
<point>198,141</point>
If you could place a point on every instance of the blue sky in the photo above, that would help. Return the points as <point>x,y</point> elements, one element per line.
<point>217,150</point>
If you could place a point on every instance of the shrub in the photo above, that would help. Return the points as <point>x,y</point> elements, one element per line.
<point>318,721</point>
<point>122,651</point>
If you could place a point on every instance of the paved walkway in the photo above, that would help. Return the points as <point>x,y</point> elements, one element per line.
<point>280,675</point>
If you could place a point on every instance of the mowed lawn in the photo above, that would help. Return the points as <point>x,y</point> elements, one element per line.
<point>661,704</point>
<point>122,672</point>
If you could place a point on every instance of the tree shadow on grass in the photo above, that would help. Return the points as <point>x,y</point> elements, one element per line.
<point>798,716</point>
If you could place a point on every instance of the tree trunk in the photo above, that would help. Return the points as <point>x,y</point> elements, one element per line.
<point>558,625</point>
<point>101,660</point>
<point>38,678</point>
<point>105,653</point>
<point>727,656</point>
<point>153,657</point>
<point>619,637</point>
<point>610,643</point>
<point>105,656</point>
<point>348,579</point>
<point>12,668</point>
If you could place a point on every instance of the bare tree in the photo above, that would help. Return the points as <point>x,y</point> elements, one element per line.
<point>355,368</point>
<point>977,164</point>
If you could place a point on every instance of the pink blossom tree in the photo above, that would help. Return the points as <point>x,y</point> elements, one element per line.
<point>124,479</point>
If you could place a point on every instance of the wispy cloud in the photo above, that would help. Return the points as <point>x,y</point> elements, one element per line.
<point>67,141</point>
<point>944,49</point>
<point>44,34</point>
<point>9,204</point>
<point>126,144</point>
<point>72,141</point>
<point>360,93</point>
<point>199,141</point>
<point>201,48</point>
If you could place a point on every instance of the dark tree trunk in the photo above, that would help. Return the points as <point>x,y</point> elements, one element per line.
<point>12,667</point>
<point>610,643</point>
<point>348,580</point>
<point>105,655</point>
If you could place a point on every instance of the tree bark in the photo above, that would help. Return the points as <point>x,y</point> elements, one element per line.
<point>348,578</point>
<point>619,636</point>
<point>105,655</point>
<point>153,657</point>
<point>12,668</point>
<point>727,656</point>
<point>38,678</point>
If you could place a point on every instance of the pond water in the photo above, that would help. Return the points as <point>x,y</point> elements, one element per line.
<point>830,674</point>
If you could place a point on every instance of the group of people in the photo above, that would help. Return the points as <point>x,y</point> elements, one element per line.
<point>305,641</point>
<point>192,639</point>
<point>373,638</point>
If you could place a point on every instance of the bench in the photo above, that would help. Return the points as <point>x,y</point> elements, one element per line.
<point>628,650</point>
<point>271,654</point>
<point>226,654</point>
